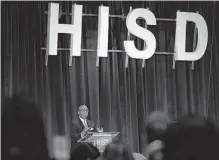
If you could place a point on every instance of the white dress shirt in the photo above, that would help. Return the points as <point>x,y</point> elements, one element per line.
<point>84,122</point>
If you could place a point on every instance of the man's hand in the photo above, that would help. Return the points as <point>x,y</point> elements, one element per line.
<point>99,129</point>
<point>84,132</point>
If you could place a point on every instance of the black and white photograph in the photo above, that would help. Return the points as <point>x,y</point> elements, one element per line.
<point>109,80</point>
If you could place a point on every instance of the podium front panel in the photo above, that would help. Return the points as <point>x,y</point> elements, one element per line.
<point>101,140</point>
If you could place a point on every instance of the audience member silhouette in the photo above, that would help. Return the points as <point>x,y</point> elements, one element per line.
<point>156,123</point>
<point>85,151</point>
<point>23,136</point>
<point>138,156</point>
<point>117,151</point>
<point>191,138</point>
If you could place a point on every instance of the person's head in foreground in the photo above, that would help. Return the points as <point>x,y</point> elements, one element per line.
<point>117,151</point>
<point>85,151</point>
<point>156,123</point>
<point>191,138</point>
<point>23,134</point>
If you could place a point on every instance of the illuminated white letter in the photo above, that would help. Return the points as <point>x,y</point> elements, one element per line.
<point>180,42</point>
<point>54,28</point>
<point>140,32</point>
<point>103,27</point>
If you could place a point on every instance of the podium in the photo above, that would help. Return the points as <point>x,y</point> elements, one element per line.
<point>99,139</point>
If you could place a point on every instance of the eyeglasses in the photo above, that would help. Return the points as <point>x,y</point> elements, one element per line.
<point>84,110</point>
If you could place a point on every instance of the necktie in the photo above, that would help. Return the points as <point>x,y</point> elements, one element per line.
<point>85,124</point>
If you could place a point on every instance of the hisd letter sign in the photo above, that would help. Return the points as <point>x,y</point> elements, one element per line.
<point>75,29</point>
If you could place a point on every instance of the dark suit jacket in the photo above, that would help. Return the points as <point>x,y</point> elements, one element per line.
<point>76,128</point>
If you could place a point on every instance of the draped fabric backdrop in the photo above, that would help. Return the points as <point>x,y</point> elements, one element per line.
<point>119,98</point>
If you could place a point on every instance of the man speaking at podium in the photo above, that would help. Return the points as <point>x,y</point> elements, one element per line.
<point>81,126</point>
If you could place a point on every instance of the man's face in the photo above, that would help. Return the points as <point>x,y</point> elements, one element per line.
<point>83,111</point>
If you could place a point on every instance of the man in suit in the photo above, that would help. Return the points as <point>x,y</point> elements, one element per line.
<point>81,126</point>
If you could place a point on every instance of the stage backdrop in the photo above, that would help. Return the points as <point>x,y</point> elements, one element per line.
<point>119,98</point>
